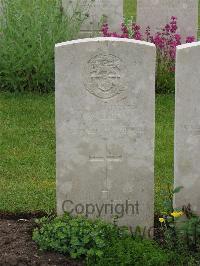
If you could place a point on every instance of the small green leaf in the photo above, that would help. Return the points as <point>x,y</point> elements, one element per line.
<point>177,189</point>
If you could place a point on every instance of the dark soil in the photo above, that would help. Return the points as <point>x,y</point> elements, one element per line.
<point>18,248</point>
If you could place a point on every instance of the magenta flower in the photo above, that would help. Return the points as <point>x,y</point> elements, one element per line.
<point>178,38</point>
<point>167,28</point>
<point>135,27</point>
<point>173,18</point>
<point>190,39</point>
<point>166,40</point>
<point>124,28</point>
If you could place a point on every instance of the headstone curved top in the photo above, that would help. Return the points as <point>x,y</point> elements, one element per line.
<point>187,126</point>
<point>156,13</point>
<point>105,101</point>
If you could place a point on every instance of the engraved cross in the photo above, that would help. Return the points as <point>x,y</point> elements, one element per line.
<point>109,157</point>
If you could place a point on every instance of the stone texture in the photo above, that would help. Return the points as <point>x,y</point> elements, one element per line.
<point>105,127</point>
<point>156,13</point>
<point>111,12</point>
<point>187,126</point>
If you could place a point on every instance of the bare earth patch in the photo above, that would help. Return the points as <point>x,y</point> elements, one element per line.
<point>18,248</point>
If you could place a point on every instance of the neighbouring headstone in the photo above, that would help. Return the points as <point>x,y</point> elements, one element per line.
<point>187,126</point>
<point>105,129</point>
<point>97,11</point>
<point>156,13</point>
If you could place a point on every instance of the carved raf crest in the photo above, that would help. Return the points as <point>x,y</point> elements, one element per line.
<point>104,76</point>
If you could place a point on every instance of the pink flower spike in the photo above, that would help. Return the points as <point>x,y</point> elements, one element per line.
<point>174,18</point>
<point>124,35</point>
<point>135,27</point>
<point>167,27</point>
<point>124,28</point>
<point>138,36</point>
<point>190,39</point>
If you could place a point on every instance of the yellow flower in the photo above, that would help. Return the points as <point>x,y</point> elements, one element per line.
<point>161,220</point>
<point>177,214</point>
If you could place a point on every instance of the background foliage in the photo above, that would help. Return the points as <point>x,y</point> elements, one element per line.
<point>29,31</point>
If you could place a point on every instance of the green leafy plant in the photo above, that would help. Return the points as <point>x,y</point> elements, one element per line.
<point>138,252</point>
<point>180,230</point>
<point>190,230</point>
<point>29,31</point>
<point>168,194</point>
<point>76,236</point>
<point>183,231</point>
<point>98,242</point>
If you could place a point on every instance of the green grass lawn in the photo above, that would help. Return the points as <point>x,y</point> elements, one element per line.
<point>27,145</point>
<point>27,157</point>
<point>130,8</point>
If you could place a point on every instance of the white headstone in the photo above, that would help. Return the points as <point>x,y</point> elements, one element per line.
<point>99,11</point>
<point>187,126</point>
<point>156,13</point>
<point>105,129</point>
